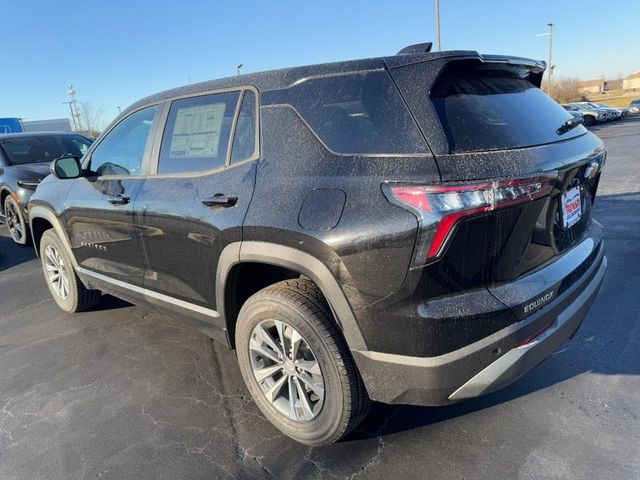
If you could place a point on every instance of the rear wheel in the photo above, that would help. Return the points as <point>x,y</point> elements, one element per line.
<point>296,364</point>
<point>15,221</point>
<point>65,286</point>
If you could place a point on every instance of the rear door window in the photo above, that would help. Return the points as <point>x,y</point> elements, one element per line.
<point>493,109</point>
<point>196,137</point>
<point>357,113</point>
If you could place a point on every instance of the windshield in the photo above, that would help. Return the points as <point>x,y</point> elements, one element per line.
<point>42,148</point>
<point>483,109</point>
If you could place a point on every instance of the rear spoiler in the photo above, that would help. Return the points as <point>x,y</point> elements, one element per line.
<point>417,54</point>
<point>423,70</point>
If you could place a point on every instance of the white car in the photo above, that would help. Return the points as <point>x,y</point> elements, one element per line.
<point>609,111</point>
<point>590,115</point>
<point>617,113</point>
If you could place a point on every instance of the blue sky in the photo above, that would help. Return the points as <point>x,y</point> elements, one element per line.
<point>116,52</point>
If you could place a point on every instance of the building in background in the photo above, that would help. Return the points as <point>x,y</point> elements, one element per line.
<point>11,125</point>
<point>612,85</point>
<point>632,82</point>
<point>592,86</point>
<point>52,125</point>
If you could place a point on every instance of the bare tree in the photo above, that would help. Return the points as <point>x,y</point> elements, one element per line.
<point>567,89</point>
<point>90,118</point>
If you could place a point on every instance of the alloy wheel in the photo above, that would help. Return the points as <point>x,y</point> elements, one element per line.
<point>286,370</point>
<point>14,223</point>
<point>56,272</point>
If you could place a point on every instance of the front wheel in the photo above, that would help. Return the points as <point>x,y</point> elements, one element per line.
<point>589,120</point>
<point>296,364</point>
<point>65,286</point>
<point>15,221</point>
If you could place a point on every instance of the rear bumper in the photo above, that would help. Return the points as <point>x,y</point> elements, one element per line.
<point>488,364</point>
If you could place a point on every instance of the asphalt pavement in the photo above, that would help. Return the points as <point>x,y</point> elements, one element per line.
<point>124,392</point>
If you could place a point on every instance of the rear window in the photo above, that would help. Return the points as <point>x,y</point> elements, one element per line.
<point>494,109</point>
<point>358,113</point>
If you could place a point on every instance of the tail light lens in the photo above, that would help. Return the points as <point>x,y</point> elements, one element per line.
<point>440,208</point>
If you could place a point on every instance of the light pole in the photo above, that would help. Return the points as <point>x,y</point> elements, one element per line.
<point>238,68</point>
<point>550,25</point>
<point>549,65</point>
<point>437,5</point>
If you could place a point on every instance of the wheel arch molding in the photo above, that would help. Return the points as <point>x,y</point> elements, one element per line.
<point>267,253</point>
<point>39,213</point>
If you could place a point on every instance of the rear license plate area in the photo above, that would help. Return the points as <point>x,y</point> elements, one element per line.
<point>571,207</point>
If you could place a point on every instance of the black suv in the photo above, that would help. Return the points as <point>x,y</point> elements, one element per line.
<point>24,161</point>
<point>409,229</point>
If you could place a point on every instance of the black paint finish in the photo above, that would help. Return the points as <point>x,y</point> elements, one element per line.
<point>181,238</point>
<point>312,201</point>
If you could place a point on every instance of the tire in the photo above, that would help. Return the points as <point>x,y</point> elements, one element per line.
<point>18,228</point>
<point>300,306</point>
<point>589,120</point>
<point>68,291</point>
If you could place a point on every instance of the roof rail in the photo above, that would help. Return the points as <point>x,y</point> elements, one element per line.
<point>417,48</point>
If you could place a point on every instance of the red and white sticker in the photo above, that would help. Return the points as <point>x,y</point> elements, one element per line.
<point>571,207</point>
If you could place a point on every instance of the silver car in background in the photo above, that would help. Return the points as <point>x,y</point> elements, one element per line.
<point>590,115</point>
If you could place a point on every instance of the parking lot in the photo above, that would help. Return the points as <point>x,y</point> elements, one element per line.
<point>124,392</point>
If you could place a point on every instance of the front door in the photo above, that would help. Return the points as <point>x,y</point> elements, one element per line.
<point>195,203</point>
<point>99,205</point>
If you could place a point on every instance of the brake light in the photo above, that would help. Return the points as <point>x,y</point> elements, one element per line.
<point>440,208</point>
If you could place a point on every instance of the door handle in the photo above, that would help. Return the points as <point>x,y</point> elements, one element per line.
<point>220,200</point>
<point>119,200</point>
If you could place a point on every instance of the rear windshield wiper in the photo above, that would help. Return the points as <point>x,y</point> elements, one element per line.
<point>569,125</point>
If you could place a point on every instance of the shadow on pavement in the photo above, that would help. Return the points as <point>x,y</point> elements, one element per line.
<point>107,302</point>
<point>623,121</point>
<point>605,344</point>
<point>12,254</point>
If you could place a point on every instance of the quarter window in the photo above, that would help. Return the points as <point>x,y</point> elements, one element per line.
<point>197,134</point>
<point>360,113</point>
<point>122,150</point>
<point>244,139</point>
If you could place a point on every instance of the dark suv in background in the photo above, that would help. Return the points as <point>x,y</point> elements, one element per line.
<point>395,229</point>
<point>24,161</point>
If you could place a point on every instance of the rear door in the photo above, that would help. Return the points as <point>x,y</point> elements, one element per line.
<point>99,205</point>
<point>194,202</point>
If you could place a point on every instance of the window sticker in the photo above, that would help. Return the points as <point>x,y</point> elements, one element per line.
<point>196,133</point>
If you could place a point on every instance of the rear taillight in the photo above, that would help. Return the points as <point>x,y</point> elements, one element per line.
<point>440,208</point>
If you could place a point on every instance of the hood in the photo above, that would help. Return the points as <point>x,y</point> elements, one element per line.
<point>31,171</point>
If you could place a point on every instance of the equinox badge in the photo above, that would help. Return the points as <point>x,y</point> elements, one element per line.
<point>538,302</point>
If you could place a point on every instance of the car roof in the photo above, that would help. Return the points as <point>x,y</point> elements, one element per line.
<point>285,77</point>
<point>4,136</point>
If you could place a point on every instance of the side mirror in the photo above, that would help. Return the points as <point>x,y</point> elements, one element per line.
<point>66,167</point>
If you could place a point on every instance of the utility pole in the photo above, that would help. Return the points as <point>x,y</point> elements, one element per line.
<point>72,105</point>
<point>550,67</point>
<point>437,5</point>
<point>73,118</point>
